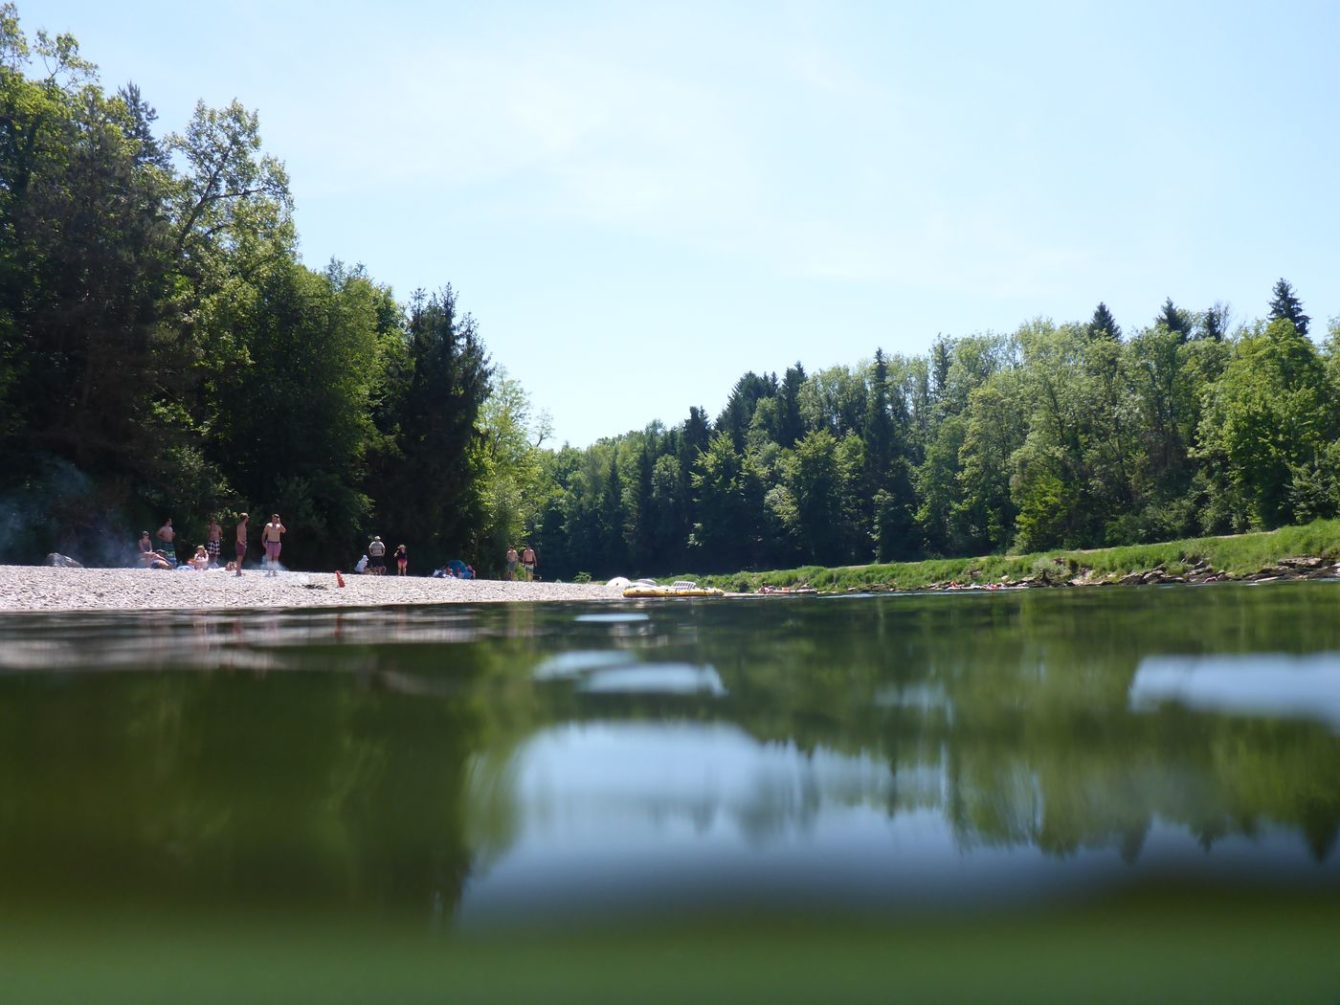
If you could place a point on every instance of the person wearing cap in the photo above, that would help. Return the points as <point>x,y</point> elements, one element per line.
<point>376,556</point>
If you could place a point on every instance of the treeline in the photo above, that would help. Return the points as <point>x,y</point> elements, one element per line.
<point>164,351</point>
<point>1055,436</point>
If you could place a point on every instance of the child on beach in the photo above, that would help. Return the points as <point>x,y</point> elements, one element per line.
<point>401,560</point>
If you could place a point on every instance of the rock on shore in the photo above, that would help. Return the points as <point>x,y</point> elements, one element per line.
<point>41,588</point>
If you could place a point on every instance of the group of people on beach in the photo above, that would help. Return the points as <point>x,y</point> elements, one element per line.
<point>206,555</point>
<point>373,562</point>
<point>527,560</point>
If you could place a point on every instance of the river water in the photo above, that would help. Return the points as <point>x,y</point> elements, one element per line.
<point>1039,795</point>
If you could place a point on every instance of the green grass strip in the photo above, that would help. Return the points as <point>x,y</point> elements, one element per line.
<point>1232,556</point>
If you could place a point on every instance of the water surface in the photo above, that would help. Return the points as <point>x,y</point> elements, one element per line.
<point>834,785</point>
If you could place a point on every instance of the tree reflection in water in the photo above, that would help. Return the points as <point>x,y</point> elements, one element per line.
<point>855,750</point>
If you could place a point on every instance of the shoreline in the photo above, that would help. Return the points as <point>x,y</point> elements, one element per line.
<point>1305,551</point>
<point>32,589</point>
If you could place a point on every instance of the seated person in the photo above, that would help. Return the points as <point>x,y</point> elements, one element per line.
<point>200,560</point>
<point>149,558</point>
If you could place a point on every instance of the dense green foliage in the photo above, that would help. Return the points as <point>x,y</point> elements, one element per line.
<point>1057,436</point>
<point>163,350</point>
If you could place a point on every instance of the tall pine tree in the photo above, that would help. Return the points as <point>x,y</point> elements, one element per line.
<point>1104,325</point>
<point>1175,320</point>
<point>1285,306</point>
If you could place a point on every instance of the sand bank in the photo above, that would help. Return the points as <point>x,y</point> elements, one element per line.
<point>40,588</point>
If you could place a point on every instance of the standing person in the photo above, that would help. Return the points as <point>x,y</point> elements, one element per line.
<point>511,562</point>
<point>528,562</point>
<point>213,540</point>
<point>271,541</point>
<point>166,534</point>
<point>401,560</point>
<point>376,556</point>
<point>241,540</point>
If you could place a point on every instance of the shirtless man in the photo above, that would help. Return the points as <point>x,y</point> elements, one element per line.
<point>270,541</point>
<point>167,535</point>
<point>511,563</point>
<point>213,540</point>
<point>241,541</point>
<point>528,562</point>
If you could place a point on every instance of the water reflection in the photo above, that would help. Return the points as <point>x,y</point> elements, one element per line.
<point>620,816</point>
<point>487,764</point>
<point>1264,684</point>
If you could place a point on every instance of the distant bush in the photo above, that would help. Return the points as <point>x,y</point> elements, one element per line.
<point>582,577</point>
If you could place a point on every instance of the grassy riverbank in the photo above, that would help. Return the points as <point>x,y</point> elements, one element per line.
<point>1284,552</point>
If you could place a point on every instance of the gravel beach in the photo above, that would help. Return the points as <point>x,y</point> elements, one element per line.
<point>40,588</point>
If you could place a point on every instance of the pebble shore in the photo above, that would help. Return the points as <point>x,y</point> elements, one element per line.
<point>41,588</point>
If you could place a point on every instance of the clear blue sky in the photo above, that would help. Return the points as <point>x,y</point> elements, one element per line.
<point>641,201</point>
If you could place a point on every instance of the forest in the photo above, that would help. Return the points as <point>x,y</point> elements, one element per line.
<point>164,350</point>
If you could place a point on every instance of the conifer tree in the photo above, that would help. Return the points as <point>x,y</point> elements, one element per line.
<point>1174,319</point>
<point>1104,325</point>
<point>1214,323</point>
<point>942,358</point>
<point>790,425</point>
<point>1287,307</point>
